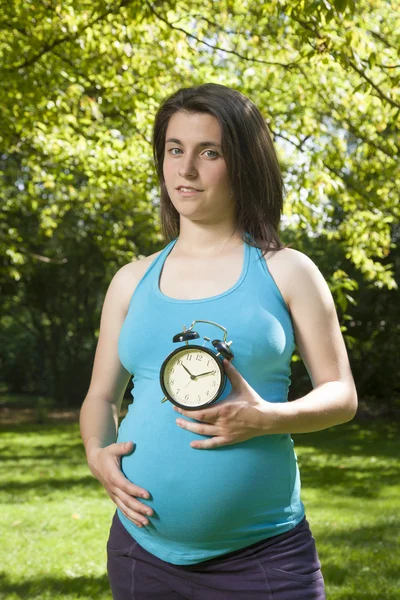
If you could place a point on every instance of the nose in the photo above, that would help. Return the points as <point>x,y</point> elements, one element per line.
<point>187,167</point>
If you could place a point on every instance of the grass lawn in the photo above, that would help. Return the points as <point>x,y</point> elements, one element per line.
<point>54,516</point>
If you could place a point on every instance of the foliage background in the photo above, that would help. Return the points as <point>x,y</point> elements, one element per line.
<point>80,83</point>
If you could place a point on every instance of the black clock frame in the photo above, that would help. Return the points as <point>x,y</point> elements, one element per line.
<point>203,349</point>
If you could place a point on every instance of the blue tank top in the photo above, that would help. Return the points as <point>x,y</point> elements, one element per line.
<point>208,502</point>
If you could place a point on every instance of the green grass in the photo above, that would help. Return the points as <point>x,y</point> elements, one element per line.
<point>351,489</point>
<point>54,516</point>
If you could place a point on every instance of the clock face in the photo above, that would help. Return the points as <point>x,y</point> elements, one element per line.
<point>192,377</point>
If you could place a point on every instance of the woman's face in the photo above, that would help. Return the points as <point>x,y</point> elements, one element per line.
<point>194,169</point>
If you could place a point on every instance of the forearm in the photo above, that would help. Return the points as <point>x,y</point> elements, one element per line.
<point>326,405</point>
<point>98,422</point>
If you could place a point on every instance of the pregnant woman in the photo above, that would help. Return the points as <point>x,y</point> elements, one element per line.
<point>208,498</point>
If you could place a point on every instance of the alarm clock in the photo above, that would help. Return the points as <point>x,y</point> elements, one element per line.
<point>193,376</point>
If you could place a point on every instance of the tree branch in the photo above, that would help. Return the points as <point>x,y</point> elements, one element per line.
<point>345,178</point>
<point>390,153</point>
<point>349,181</point>
<point>287,66</point>
<point>46,259</point>
<point>381,38</point>
<point>362,74</point>
<point>374,85</point>
<point>67,38</point>
<point>388,66</point>
<point>283,137</point>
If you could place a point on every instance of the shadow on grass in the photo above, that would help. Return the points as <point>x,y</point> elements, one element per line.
<point>81,587</point>
<point>368,535</point>
<point>361,594</point>
<point>46,486</point>
<point>381,540</point>
<point>44,428</point>
<point>59,452</point>
<point>366,483</point>
<point>357,438</point>
<point>369,444</point>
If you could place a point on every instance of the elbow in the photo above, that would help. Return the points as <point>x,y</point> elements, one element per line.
<point>351,405</point>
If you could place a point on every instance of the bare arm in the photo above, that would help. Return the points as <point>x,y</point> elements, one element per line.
<point>100,409</point>
<point>320,342</point>
<point>101,406</point>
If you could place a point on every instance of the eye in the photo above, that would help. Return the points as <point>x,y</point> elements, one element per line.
<point>212,152</point>
<point>171,151</point>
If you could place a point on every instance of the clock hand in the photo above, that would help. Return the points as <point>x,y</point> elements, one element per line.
<point>201,374</point>
<point>187,371</point>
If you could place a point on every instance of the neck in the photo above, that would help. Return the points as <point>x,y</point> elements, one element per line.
<point>208,241</point>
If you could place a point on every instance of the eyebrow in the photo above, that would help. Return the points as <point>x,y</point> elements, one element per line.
<point>201,144</point>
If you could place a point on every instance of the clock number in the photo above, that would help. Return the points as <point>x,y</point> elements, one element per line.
<point>172,381</point>
<point>188,357</point>
<point>187,397</point>
<point>199,357</point>
<point>177,391</point>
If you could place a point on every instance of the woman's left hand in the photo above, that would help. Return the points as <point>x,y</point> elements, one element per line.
<point>241,416</point>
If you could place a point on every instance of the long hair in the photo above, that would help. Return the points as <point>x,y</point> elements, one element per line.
<point>253,169</point>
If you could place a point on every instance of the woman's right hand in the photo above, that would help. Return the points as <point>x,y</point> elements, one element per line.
<point>105,465</point>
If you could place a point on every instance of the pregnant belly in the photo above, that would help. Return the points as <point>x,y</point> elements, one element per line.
<point>207,495</point>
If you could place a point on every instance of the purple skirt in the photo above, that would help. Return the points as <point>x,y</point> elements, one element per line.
<point>284,567</point>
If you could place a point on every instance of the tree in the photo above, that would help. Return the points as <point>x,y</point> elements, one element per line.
<point>80,86</point>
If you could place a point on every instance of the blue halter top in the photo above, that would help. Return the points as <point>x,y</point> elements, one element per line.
<point>208,502</point>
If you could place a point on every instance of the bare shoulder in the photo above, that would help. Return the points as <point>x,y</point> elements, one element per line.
<point>127,277</point>
<point>293,272</point>
<point>290,259</point>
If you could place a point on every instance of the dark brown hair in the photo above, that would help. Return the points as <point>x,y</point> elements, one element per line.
<point>250,157</point>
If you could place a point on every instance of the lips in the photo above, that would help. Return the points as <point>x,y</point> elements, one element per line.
<point>188,188</point>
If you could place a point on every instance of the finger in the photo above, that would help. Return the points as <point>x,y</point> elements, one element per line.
<point>214,442</point>
<point>121,482</point>
<point>238,382</point>
<point>130,514</point>
<point>125,510</point>
<point>133,503</point>
<point>200,428</point>
<point>121,448</point>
